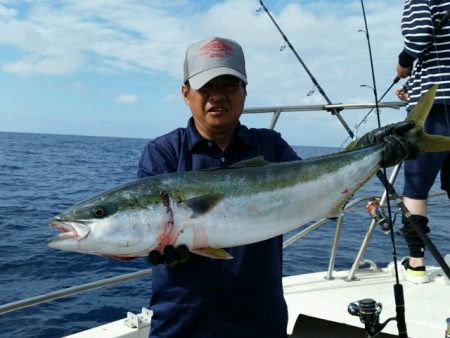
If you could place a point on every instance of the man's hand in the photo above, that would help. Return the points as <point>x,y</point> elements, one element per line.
<point>397,147</point>
<point>403,72</point>
<point>170,257</point>
<point>402,95</point>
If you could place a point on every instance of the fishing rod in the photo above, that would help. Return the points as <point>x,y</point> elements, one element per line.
<point>372,68</point>
<point>371,322</point>
<point>334,111</point>
<point>422,234</point>
<point>373,326</point>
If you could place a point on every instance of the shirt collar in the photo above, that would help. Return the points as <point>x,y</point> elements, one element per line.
<point>242,134</point>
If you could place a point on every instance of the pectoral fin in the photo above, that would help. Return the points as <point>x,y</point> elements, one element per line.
<point>202,204</point>
<point>216,253</point>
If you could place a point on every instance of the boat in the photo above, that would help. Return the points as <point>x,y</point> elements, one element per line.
<point>354,302</point>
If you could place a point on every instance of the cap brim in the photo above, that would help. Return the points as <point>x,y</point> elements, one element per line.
<point>199,80</point>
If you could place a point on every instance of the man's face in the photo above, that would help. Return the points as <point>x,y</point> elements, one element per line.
<point>217,106</point>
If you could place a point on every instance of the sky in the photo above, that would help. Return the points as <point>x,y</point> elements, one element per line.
<point>115,67</point>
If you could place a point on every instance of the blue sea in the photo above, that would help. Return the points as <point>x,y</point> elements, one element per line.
<point>42,175</point>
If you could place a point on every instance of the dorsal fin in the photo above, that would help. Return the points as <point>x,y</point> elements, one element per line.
<point>257,161</point>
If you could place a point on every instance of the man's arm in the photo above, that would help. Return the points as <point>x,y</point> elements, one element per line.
<point>417,28</point>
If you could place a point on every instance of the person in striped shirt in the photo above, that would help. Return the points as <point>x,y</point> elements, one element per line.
<point>426,59</point>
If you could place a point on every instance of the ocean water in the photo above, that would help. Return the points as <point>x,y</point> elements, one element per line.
<point>41,175</point>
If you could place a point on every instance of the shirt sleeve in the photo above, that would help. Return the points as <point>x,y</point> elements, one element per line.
<point>154,161</point>
<point>285,151</point>
<point>417,27</point>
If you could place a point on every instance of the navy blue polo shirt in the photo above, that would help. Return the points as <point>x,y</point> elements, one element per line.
<point>241,297</point>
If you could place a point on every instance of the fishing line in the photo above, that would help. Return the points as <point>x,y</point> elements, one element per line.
<point>379,125</point>
<point>377,108</point>
<point>398,288</point>
<point>364,119</point>
<point>334,111</point>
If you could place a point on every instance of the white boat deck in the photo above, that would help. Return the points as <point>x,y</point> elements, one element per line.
<point>318,306</point>
<point>427,306</point>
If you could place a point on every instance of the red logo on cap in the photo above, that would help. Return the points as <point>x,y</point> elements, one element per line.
<point>216,48</point>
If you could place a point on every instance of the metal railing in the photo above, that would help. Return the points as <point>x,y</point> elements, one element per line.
<point>22,304</point>
<point>277,110</point>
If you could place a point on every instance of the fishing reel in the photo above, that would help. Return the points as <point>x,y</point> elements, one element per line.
<point>368,311</point>
<point>378,214</point>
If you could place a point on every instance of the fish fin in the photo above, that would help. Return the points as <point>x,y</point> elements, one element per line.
<point>422,108</point>
<point>258,161</point>
<point>202,204</point>
<point>426,142</point>
<point>434,143</point>
<point>209,252</point>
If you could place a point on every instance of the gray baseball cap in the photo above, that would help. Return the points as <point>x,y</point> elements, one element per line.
<point>213,57</point>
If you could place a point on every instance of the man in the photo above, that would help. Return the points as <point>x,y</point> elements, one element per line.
<point>202,297</point>
<point>430,49</point>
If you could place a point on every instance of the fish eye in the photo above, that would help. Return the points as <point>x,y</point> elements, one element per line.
<point>99,211</point>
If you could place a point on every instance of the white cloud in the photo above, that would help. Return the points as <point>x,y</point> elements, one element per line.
<point>77,86</point>
<point>131,37</point>
<point>7,13</point>
<point>48,65</point>
<point>172,97</point>
<point>127,98</point>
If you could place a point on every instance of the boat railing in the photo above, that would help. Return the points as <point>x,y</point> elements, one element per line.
<point>47,297</point>
<point>29,302</point>
<point>277,110</point>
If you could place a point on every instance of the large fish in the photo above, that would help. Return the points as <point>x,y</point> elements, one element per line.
<point>219,208</point>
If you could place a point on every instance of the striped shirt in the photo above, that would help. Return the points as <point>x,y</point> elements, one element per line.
<point>430,50</point>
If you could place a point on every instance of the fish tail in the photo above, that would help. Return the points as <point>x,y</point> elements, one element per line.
<point>426,142</point>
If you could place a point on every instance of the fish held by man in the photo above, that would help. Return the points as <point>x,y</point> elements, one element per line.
<point>211,209</point>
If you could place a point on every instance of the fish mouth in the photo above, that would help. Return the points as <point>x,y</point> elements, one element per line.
<point>71,230</point>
